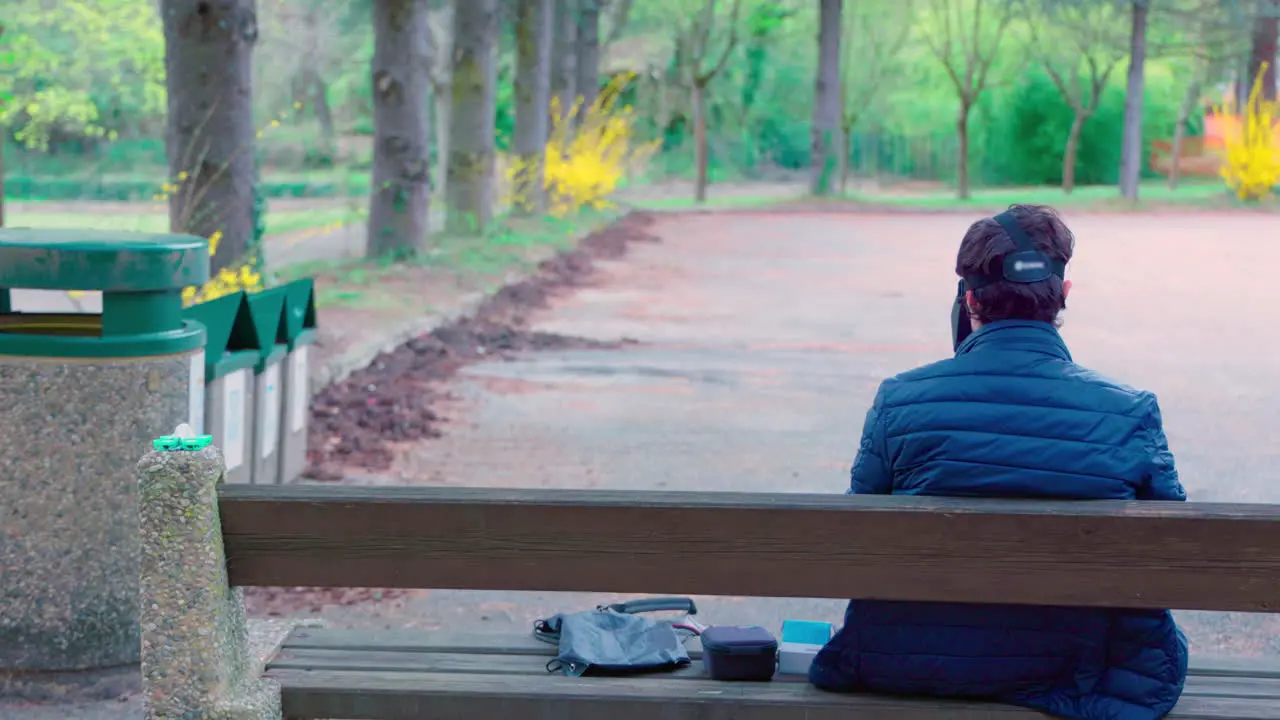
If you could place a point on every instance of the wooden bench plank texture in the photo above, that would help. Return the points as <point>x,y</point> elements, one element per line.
<point>1194,556</point>
<point>411,640</point>
<point>415,674</point>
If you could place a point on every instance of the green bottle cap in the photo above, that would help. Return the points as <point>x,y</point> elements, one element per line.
<point>197,443</point>
<point>166,443</point>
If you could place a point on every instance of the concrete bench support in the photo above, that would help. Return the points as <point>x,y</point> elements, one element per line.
<point>195,659</point>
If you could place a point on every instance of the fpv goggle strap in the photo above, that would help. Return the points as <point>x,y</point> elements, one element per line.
<point>1026,264</point>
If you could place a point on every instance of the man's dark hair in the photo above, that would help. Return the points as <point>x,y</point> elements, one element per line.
<point>982,253</point>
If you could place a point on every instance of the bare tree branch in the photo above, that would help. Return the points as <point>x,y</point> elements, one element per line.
<point>866,52</point>
<point>617,22</point>
<point>729,46</point>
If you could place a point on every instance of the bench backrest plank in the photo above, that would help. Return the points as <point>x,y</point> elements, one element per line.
<point>1120,554</point>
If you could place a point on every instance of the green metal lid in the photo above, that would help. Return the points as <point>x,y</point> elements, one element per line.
<point>300,311</point>
<point>107,260</point>
<point>141,276</point>
<point>267,310</point>
<point>231,332</point>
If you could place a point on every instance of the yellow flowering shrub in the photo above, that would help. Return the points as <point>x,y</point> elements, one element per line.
<point>1251,165</point>
<point>246,277</point>
<point>586,161</point>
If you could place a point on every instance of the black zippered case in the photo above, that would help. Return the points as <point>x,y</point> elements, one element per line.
<point>739,652</point>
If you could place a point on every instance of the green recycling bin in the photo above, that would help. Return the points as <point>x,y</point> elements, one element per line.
<point>81,398</point>
<point>267,310</point>
<point>231,353</point>
<point>300,334</point>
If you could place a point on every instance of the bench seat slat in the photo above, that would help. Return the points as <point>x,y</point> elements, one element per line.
<point>493,643</point>
<point>455,696</point>
<point>415,640</point>
<point>528,665</point>
<point>372,661</point>
<point>384,695</point>
<point>397,673</point>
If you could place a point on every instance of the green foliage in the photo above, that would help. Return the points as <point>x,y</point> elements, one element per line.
<point>763,25</point>
<point>83,67</point>
<point>143,188</point>
<point>1026,141</point>
<point>8,60</point>
<point>505,120</point>
<point>86,83</point>
<point>1028,129</point>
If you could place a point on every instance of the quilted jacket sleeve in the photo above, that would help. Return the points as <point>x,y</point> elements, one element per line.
<point>1161,481</point>
<point>871,474</point>
<point>1147,668</point>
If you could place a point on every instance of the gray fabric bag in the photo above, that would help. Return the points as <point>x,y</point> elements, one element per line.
<point>612,640</point>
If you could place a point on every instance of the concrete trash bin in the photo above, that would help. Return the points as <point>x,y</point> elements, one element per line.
<point>83,396</point>
<point>267,310</point>
<point>231,353</point>
<point>300,334</point>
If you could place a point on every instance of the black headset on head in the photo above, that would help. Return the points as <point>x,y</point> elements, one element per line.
<point>1025,264</point>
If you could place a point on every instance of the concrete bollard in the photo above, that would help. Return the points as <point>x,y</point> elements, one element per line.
<point>195,659</point>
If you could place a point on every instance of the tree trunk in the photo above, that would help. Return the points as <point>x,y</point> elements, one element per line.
<point>1263,48</point>
<point>443,113</point>
<point>1179,131</point>
<point>874,154</point>
<point>400,195</point>
<point>1131,140</point>
<point>471,139</point>
<point>588,50</point>
<point>442,93</point>
<point>299,86</point>
<point>700,141</point>
<point>1070,152</point>
<point>324,113</point>
<point>846,139</point>
<point>826,105</point>
<point>209,135</point>
<point>534,28</point>
<point>564,77</point>
<point>1241,85</point>
<point>962,153</point>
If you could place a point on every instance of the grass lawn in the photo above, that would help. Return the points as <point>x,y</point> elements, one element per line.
<point>1152,195</point>
<point>150,218</point>
<point>515,245</point>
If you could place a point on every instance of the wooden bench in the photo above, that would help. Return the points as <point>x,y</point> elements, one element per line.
<point>1098,554</point>
<point>1195,159</point>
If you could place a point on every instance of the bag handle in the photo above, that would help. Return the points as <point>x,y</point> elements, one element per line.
<point>548,630</point>
<point>658,604</point>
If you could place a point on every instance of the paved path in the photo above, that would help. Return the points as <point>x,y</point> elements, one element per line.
<point>763,338</point>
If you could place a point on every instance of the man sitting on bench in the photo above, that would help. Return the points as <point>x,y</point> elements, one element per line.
<point>1011,416</point>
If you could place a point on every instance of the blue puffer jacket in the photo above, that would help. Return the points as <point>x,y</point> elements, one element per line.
<point>1012,416</point>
